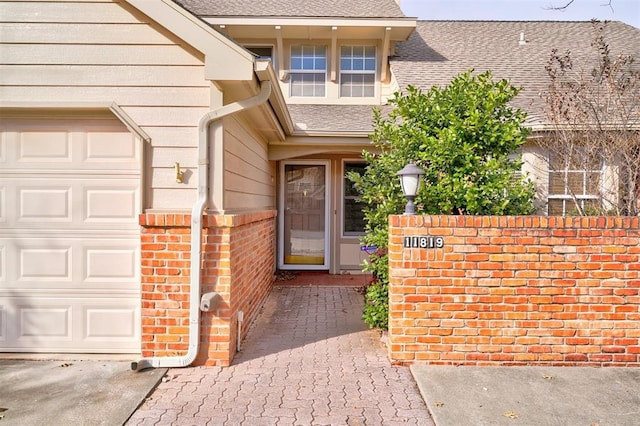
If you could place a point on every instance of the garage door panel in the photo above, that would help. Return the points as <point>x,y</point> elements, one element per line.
<point>44,323</point>
<point>3,202</point>
<point>111,323</point>
<point>30,145</point>
<point>85,264</point>
<point>3,323</point>
<point>108,147</point>
<point>35,148</point>
<point>44,204</point>
<point>108,267</point>
<point>111,204</point>
<point>56,324</point>
<point>3,265</point>
<point>81,202</point>
<point>45,265</point>
<point>69,236</point>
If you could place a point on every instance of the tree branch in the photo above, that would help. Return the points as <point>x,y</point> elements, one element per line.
<point>566,5</point>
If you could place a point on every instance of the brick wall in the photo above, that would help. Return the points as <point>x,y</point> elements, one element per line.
<point>238,263</point>
<point>515,290</point>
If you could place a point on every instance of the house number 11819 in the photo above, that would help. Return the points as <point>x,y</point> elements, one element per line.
<point>423,242</point>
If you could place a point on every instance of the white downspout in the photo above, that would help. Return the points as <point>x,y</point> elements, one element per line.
<point>196,230</point>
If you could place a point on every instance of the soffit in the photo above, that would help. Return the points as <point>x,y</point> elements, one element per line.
<point>312,29</point>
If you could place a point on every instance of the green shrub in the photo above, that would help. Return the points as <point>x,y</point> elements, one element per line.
<point>464,136</point>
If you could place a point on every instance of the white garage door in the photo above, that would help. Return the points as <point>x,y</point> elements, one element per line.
<point>69,239</point>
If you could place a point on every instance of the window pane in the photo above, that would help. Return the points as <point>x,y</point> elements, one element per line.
<point>357,71</point>
<point>296,84</point>
<point>369,90</point>
<point>307,63</point>
<point>354,222</point>
<point>571,176</point>
<point>556,183</point>
<point>308,66</point>
<point>353,214</point>
<point>575,183</point>
<point>556,207</point>
<point>370,64</point>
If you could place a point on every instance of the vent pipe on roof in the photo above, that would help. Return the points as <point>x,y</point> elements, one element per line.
<point>523,40</point>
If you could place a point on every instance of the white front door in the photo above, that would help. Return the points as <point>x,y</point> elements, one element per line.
<point>304,221</point>
<point>69,237</point>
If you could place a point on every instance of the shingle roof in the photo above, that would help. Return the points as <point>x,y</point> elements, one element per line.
<point>333,118</point>
<point>439,50</point>
<point>294,8</point>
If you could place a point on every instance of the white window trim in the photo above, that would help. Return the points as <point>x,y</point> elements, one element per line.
<point>579,197</point>
<point>292,71</point>
<point>373,72</point>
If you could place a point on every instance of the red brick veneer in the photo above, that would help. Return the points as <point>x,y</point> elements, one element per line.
<point>238,263</point>
<point>516,290</point>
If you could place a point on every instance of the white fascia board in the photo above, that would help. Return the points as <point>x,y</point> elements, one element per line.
<point>265,72</point>
<point>224,59</point>
<point>313,22</point>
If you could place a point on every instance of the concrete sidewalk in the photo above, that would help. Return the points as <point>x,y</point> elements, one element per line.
<point>531,395</point>
<point>71,392</point>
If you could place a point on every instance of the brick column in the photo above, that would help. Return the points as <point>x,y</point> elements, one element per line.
<point>238,264</point>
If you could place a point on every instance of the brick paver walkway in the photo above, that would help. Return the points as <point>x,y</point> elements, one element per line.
<point>307,360</point>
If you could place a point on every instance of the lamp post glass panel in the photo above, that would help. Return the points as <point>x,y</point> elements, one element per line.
<point>410,177</point>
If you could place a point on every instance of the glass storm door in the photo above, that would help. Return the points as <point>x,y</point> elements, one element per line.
<point>304,219</point>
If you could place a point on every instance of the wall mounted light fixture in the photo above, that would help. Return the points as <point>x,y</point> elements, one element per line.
<point>179,173</point>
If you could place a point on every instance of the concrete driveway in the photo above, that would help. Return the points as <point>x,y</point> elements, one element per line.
<point>72,392</point>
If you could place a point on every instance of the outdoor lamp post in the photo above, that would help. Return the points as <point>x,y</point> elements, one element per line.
<point>410,177</point>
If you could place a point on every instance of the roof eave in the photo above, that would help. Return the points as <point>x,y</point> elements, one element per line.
<point>401,28</point>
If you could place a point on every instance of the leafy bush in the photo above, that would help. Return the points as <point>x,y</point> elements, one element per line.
<point>464,137</point>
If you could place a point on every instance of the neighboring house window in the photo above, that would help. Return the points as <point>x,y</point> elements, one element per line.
<point>571,180</point>
<point>357,71</point>
<point>308,72</point>
<point>352,209</point>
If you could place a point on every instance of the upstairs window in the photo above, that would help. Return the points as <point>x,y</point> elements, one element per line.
<point>574,178</point>
<point>357,71</point>
<point>308,74</point>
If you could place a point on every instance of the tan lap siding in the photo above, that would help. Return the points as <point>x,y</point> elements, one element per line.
<point>104,52</point>
<point>249,177</point>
